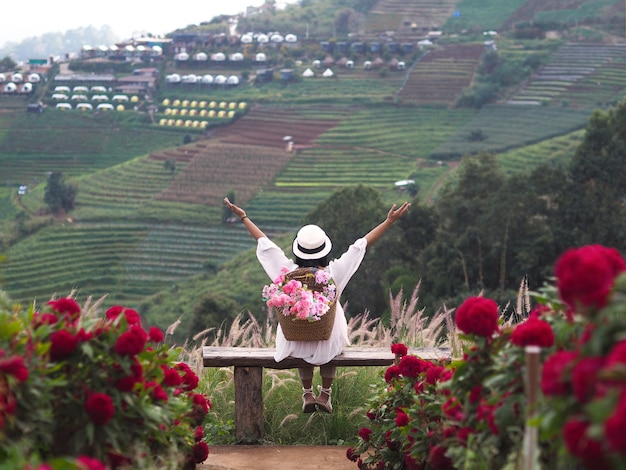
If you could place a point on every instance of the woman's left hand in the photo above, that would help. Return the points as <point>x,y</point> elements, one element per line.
<point>396,212</point>
<point>238,211</point>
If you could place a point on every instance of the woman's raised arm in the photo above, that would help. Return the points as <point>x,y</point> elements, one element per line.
<point>255,231</point>
<point>393,215</point>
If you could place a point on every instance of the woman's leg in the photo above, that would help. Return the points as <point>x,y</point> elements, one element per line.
<point>328,375</point>
<point>308,397</point>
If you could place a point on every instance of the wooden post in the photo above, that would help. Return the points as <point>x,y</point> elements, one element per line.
<point>249,404</point>
<point>533,381</point>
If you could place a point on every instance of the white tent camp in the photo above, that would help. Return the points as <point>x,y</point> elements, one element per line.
<point>236,57</point>
<point>99,98</point>
<point>79,97</point>
<point>63,106</point>
<point>10,88</point>
<point>218,56</point>
<point>181,56</point>
<point>401,65</point>
<point>262,39</point>
<point>3,78</point>
<point>308,73</point>
<point>129,48</point>
<point>424,43</point>
<point>120,98</point>
<point>84,107</point>
<point>246,38</point>
<point>328,73</point>
<point>172,78</point>
<point>34,78</point>
<point>59,97</point>
<point>291,38</point>
<point>277,38</point>
<point>260,57</point>
<point>220,80</point>
<point>98,89</point>
<point>201,56</point>
<point>349,64</point>
<point>61,89</point>
<point>316,63</point>
<point>105,107</point>
<point>102,48</point>
<point>190,79</point>
<point>232,80</point>
<point>207,79</point>
<point>18,78</point>
<point>26,88</point>
<point>80,89</point>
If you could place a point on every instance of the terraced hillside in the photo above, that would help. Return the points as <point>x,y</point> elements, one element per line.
<point>441,76</point>
<point>580,75</point>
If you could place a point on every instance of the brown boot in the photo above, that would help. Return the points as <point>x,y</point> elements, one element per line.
<point>308,400</point>
<point>323,400</point>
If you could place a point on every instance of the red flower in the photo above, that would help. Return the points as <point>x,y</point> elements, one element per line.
<point>132,317</point>
<point>617,355</point>
<point>389,442</point>
<point>433,374</point>
<point>438,460</point>
<point>553,379</point>
<point>412,366</point>
<point>588,450</point>
<point>371,415</point>
<point>478,316</point>
<point>198,434</point>
<point>391,373</point>
<point>614,427</point>
<point>67,307</point>
<point>155,334</point>
<point>584,377</point>
<point>131,342</point>
<point>201,401</point>
<point>14,366</point>
<point>156,392</point>
<point>365,434</point>
<point>190,379</point>
<point>399,349</point>
<point>171,377</point>
<point>99,407</point>
<point>88,463</point>
<point>402,419</point>
<point>585,275</point>
<point>62,344</point>
<point>351,455</point>
<point>200,451</point>
<point>533,332</point>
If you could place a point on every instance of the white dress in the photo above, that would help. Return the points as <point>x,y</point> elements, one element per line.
<point>272,258</point>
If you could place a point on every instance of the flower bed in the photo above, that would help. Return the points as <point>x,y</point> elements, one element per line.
<point>496,408</point>
<point>79,391</point>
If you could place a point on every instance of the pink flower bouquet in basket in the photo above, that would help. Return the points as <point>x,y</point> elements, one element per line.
<point>306,300</point>
<point>293,298</point>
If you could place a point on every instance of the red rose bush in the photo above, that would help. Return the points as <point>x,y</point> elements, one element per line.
<point>474,411</point>
<point>87,392</point>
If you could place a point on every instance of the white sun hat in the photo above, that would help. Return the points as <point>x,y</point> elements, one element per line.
<point>311,242</point>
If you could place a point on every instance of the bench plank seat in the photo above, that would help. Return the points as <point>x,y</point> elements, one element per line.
<point>351,357</point>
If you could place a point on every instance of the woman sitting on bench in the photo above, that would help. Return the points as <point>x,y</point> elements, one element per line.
<point>311,248</point>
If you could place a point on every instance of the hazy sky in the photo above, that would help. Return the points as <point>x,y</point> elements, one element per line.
<point>20,21</point>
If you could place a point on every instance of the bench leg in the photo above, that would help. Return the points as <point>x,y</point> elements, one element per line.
<point>249,404</point>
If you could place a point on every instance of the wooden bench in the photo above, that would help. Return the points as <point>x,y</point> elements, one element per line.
<point>248,366</point>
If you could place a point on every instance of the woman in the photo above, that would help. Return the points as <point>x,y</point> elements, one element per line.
<point>311,248</point>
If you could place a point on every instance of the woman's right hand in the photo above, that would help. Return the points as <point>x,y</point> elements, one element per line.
<point>238,211</point>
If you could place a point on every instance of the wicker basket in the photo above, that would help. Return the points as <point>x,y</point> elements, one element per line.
<point>304,330</point>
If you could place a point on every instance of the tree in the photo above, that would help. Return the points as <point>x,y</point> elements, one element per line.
<point>592,201</point>
<point>7,64</point>
<point>212,310</point>
<point>59,196</point>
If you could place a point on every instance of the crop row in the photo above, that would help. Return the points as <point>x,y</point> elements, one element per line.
<point>504,127</point>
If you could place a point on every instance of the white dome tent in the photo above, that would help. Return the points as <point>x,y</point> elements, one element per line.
<point>236,57</point>
<point>291,38</point>
<point>260,57</point>
<point>189,79</point>
<point>220,80</point>
<point>207,79</point>
<point>201,56</point>
<point>262,39</point>
<point>246,38</point>
<point>181,56</point>
<point>328,73</point>
<point>3,78</point>
<point>308,73</point>
<point>172,78</point>
<point>34,78</point>
<point>233,80</point>
<point>27,87</point>
<point>218,57</point>
<point>277,38</point>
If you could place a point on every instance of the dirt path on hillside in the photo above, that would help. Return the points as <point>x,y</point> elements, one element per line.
<point>246,457</point>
